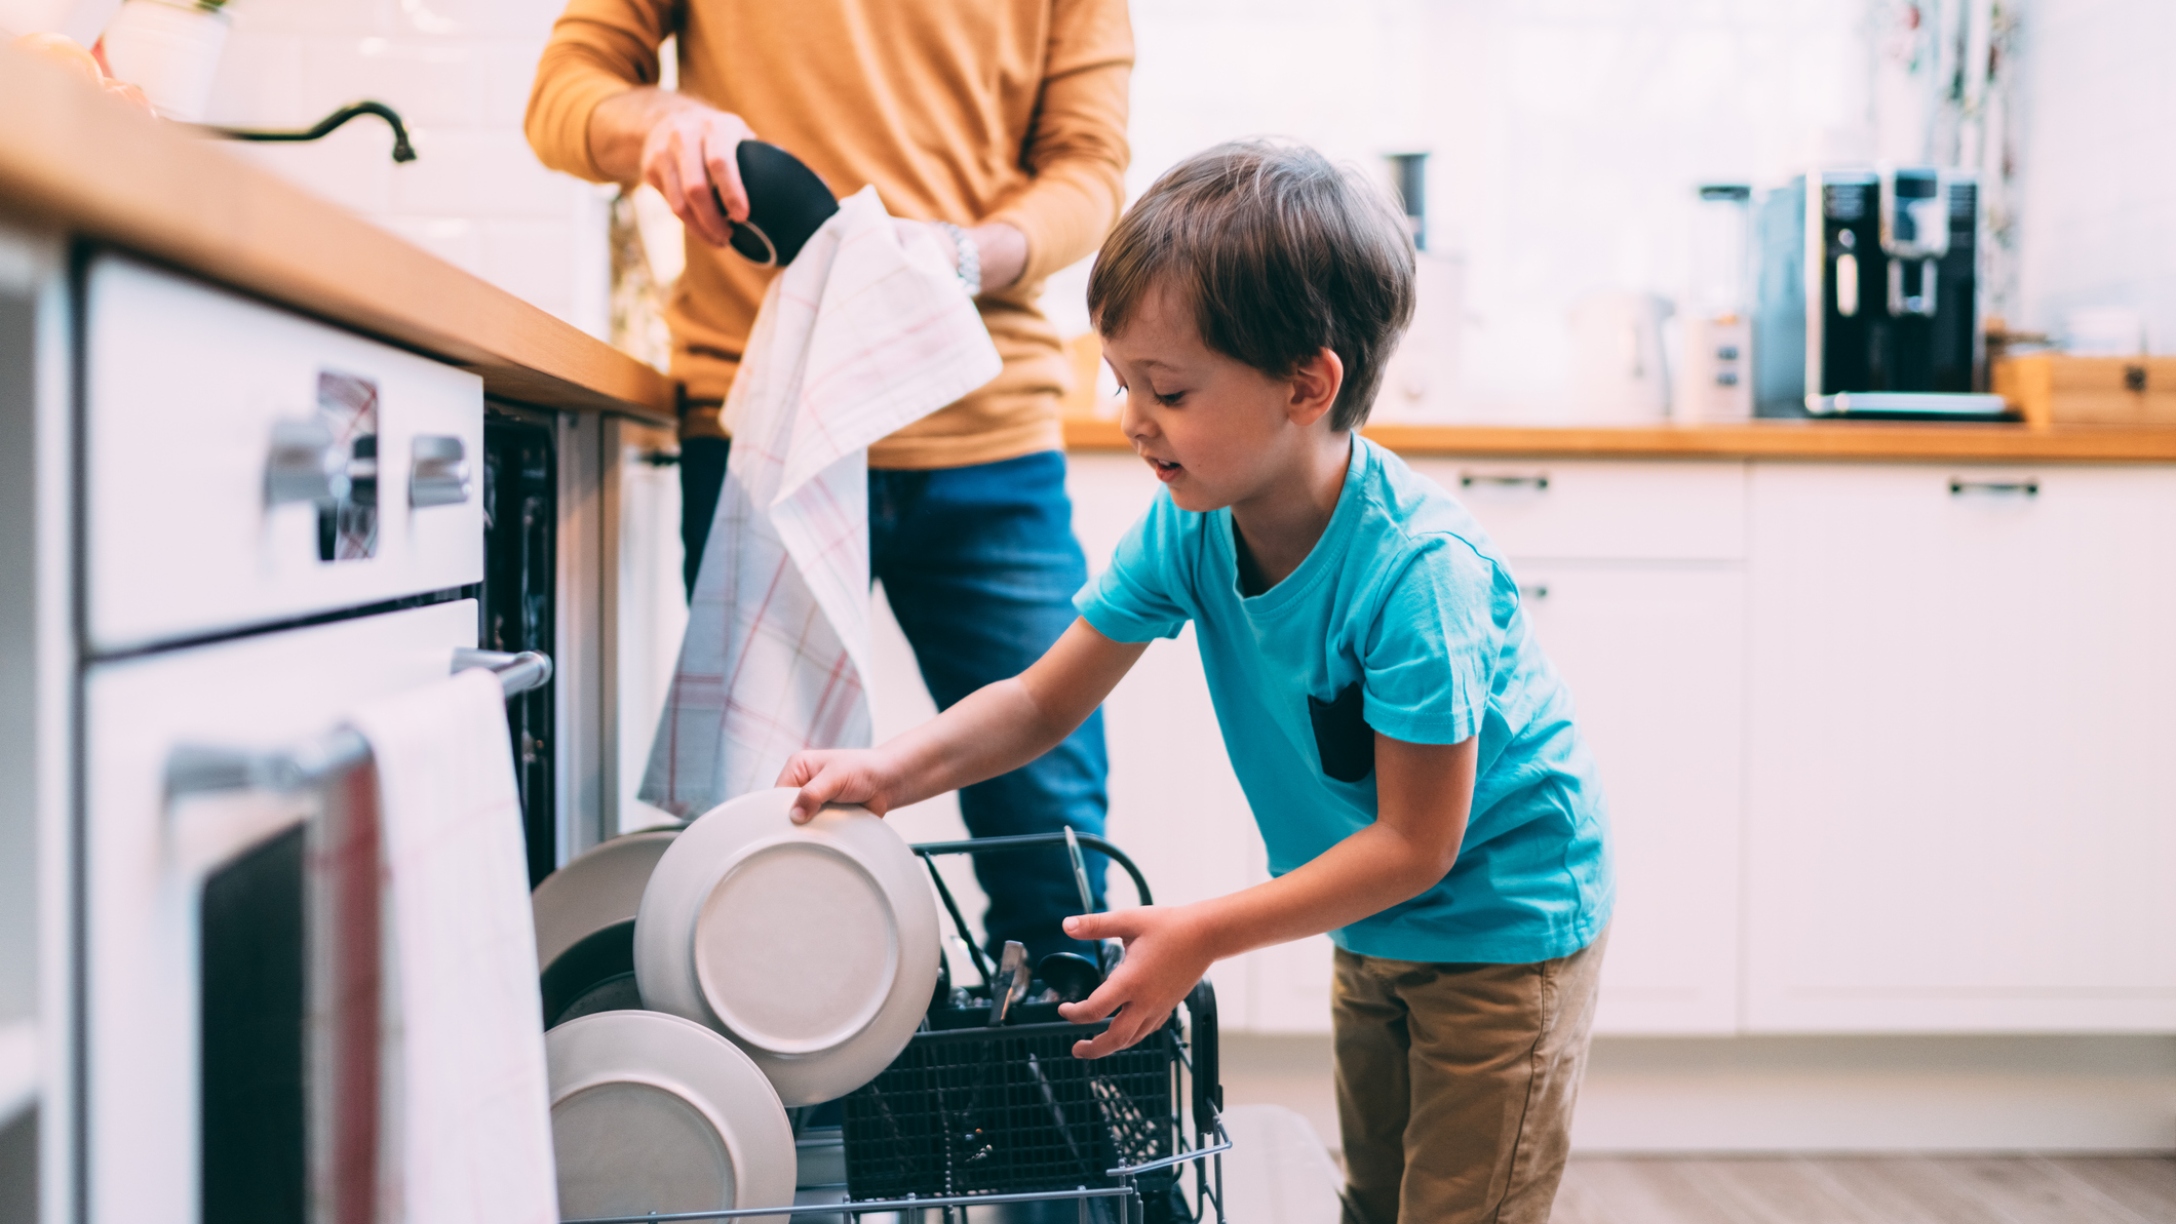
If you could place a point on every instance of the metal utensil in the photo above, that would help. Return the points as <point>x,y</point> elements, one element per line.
<point>1072,977</point>
<point>1012,981</point>
<point>1111,955</point>
<point>1080,871</point>
<point>1057,1115</point>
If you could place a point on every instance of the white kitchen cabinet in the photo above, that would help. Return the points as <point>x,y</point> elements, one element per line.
<point>1962,683</point>
<point>1654,656</point>
<point>1632,579</point>
<point>1577,510</point>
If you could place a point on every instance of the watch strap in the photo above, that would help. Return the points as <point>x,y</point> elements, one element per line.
<point>970,257</point>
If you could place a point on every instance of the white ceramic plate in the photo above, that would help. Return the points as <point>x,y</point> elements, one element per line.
<point>652,1113</point>
<point>602,886</point>
<point>814,947</point>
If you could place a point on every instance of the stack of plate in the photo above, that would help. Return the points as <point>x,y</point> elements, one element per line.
<point>781,965</point>
<point>655,1114</point>
<point>585,926</point>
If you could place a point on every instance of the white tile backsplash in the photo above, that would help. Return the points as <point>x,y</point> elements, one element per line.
<point>459,72</point>
<point>456,240</point>
<point>1567,135</point>
<point>2098,190</point>
<point>353,166</point>
<point>525,256</point>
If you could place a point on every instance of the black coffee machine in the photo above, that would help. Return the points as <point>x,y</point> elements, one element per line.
<point>1867,302</point>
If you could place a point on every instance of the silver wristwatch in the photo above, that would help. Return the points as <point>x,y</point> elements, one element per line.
<point>970,258</point>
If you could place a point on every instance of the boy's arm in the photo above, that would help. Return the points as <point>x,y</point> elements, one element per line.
<point>995,729</point>
<point>1423,793</point>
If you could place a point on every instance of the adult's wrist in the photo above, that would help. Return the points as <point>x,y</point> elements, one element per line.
<point>1004,254</point>
<point>620,126</point>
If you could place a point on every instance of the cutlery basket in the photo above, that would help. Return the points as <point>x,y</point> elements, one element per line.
<point>967,1109</point>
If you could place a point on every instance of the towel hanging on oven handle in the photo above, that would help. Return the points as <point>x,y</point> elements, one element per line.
<point>195,769</point>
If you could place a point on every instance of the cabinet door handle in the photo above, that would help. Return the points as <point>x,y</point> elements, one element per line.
<point>439,474</point>
<point>305,465</point>
<point>2021,488</point>
<point>1533,590</point>
<point>1537,481</point>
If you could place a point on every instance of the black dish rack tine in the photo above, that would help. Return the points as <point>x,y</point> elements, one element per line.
<point>1021,841</point>
<point>959,923</point>
<point>1208,1075</point>
<point>970,1113</point>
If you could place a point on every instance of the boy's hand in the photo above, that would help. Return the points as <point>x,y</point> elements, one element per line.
<point>840,775</point>
<point>1168,948</point>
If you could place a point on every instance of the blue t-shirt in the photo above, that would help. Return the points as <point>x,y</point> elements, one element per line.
<point>1401,620</point>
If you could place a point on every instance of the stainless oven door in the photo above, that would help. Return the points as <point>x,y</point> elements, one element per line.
<point>199,955</point>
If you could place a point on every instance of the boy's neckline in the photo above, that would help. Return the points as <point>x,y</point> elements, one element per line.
<point>1251,583</point>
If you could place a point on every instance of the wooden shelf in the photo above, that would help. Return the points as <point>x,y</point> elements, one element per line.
<point>1859,441</point>
<point>75,162</point>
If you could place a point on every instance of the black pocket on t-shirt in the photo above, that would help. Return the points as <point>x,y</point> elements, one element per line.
<point>1342,735</point>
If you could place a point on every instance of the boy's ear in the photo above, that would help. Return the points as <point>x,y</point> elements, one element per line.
<point>1314,387</point>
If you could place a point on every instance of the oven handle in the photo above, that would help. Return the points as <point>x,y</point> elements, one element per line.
<point>195,769</point>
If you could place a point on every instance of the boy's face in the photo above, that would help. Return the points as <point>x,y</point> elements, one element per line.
<point>1215,430</point>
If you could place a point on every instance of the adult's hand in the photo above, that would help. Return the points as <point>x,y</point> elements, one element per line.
<point>680,146</point>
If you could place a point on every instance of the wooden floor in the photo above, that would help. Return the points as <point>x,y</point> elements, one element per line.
<point>1897,1190</point>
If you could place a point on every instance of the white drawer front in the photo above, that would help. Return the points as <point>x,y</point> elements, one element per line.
<point>1588,511</point>
<point>1962,683</point>
<point>185,389</point>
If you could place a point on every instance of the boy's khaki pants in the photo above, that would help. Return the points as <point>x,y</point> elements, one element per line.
<point>1455,1085</point>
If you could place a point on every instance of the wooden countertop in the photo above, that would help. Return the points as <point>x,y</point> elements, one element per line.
<point>74,161</point>
<point>1836,441</point>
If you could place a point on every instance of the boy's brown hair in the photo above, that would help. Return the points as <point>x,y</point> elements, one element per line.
<point>1282,254</point>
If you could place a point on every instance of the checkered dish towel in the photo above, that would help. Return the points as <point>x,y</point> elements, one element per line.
<point>863,333</point>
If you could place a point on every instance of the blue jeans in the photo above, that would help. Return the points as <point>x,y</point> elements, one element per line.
<point>980,566</point>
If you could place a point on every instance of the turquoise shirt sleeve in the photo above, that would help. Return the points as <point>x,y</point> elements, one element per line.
<point>1139,596</point>
<point>1429,660</point>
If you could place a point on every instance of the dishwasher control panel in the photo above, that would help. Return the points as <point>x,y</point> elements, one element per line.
<point>244,465</point>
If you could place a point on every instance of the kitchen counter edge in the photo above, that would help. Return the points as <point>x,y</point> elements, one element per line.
<point>75,162</point>
<point>1847,441</point>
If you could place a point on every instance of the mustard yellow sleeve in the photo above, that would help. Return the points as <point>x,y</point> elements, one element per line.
<point>1076,150</point>
<point>598,48</point>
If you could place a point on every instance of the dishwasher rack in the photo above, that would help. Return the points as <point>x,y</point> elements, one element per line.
<point>971,1111</point>
<point>974,1117</point>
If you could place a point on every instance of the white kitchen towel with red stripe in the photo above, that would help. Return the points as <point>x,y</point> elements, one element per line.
<point>465,1132</point>
<point>866,331</point>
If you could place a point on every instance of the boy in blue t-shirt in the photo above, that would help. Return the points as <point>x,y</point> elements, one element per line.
<point>1407,750</point>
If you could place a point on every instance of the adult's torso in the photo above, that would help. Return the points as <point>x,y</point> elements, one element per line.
<point>931,101</point>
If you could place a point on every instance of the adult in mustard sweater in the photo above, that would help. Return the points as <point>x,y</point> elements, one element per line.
<point>1001,120</point>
